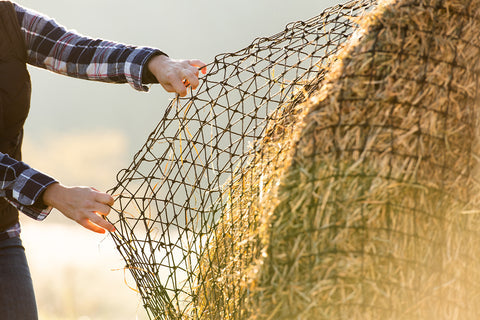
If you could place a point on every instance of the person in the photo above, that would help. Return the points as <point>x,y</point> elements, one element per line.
<point>30,37</point>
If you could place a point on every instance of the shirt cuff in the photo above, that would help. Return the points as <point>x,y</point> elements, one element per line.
<point>33,212</point>
<point>27,194</point>
<point>136,67</point>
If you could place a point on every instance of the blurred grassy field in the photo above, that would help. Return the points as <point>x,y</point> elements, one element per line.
<point>77,274</point>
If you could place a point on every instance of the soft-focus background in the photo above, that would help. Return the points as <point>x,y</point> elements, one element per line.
<point>84,132</point>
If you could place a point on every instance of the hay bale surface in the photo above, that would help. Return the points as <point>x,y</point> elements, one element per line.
<point>363,204</point>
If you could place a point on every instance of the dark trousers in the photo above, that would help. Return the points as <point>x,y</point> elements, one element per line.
<point>17,299</point>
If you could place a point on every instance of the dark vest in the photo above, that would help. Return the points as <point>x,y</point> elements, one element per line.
<point>14,95</point>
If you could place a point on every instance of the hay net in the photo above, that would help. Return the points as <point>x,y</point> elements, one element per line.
<point>169,199</point>
<point>263,196</point>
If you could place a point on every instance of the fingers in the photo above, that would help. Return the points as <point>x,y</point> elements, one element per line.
<point>92,209</point>
<point>97,223</point>
<point>94,221</point>
<point>178,85</point>
<point>86,206</point>
<point>176,75</point>
<point>91,226</point>
<point>199,64</point>
<point>104,198</point>
<point>190,79</point>
<point>187,77</point>
<point>101,208</point>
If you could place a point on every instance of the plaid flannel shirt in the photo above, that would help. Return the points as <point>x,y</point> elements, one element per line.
<point>22,187</point>
<point>52,47</point>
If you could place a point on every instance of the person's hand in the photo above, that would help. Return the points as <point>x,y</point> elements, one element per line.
<point>84,205</point>
<point>176,75</point>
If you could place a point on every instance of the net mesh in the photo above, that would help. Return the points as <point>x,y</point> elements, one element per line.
<point>195,221</point>
<point>169,198</point>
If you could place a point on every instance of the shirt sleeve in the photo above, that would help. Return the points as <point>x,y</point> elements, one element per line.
<point>23,187</point>
<point>52,47</point>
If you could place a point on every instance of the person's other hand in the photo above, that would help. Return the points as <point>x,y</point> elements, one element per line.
<point>176,75</point>
<point>84,205</point>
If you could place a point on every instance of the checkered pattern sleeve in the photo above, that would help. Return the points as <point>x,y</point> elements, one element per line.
<point>23,186</point>
<point>51,46</point>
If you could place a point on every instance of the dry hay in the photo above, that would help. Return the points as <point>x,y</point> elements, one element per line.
<point>363,204</point>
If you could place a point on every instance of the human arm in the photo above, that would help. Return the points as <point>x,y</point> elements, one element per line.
<point>82,204</point>
<point>50,46</point>
<point>53,47</point>
<point>176,75</point>
<point>35,194</point>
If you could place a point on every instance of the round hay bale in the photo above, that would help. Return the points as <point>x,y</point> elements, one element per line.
<point>363,202</point>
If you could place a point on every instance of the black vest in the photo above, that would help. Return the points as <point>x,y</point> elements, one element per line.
<point>14,95</point>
